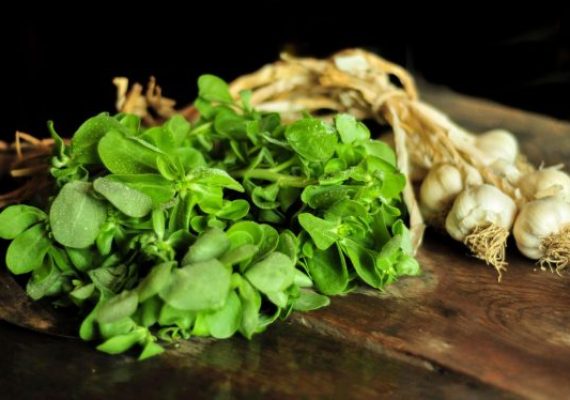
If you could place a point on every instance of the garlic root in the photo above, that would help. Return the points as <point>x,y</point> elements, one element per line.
<point>481,218</point>
<point>556,248</point>
<point>488,244</point>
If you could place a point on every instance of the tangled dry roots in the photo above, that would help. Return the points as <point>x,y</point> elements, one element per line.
<point>488,244</point>
<point>556,250</point>
<point>28,157</point>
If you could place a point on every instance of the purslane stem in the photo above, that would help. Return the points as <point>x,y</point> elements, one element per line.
<point>271,175</point>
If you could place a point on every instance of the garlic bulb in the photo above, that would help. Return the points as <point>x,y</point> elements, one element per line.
<point>497,144</point>
<point>438,190</point>
<point>479,206</point>
<point>440,187</point>
<point>544,183</point>
<point>481,217</point>
<point>542,231</point>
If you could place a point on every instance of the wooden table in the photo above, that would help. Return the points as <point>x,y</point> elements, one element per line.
<point>452,333</point>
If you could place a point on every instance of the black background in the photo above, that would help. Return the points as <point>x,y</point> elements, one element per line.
<point>59,64</point>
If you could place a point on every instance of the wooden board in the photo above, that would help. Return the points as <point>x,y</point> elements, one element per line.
<point>289,361</point>
<point>453,333</point>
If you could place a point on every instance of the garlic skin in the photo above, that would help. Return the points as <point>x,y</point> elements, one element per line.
<point>479,206</point>
<point>497,144</point>
<point>538,220</point>
<point>545,183</point>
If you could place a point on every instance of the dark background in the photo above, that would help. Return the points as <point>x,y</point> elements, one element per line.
<point>61,68</point>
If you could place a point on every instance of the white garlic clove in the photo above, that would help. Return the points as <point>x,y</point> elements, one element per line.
<point>545,182</point>
<point>538,220</point>
<point>472,176</point>
<point>479,206</point>
<point>497,144</point>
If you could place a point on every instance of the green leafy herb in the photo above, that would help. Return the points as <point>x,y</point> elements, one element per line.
<point>212,228</point>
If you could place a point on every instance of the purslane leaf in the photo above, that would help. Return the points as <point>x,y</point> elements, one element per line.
<point>210,245</point>
<point>27,251</point>
<point>224,322</point>
<point>86,139</point>
<point>16,219</point>
<point>45,281</point>
<point>308,300</point>
<point>214,177</point>
<point>120,344</point>
<point>76,216</point>
<point>158,277</point>
<point>362,259</point>
<point>312,138</point>
<point>197,287</point>
<point>323,232</point>
<point>123,155</point>
<point>329,271</point>
<point>129,201</point>
<point>350,129</point>
<point>154,186</point>
<point>212,88</point>
<point>274,273</point>
<point>118,307</point>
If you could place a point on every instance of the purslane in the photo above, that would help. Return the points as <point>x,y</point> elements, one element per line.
<point>212,228</point>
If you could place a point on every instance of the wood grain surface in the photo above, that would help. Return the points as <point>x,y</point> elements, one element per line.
<point>452,333</point>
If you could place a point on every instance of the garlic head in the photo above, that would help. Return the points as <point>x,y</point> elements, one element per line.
<point>538,220</point>
<point>479,206</point>
<point>545,183</point>
<point>440,186</point>
<point>497,144</point>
